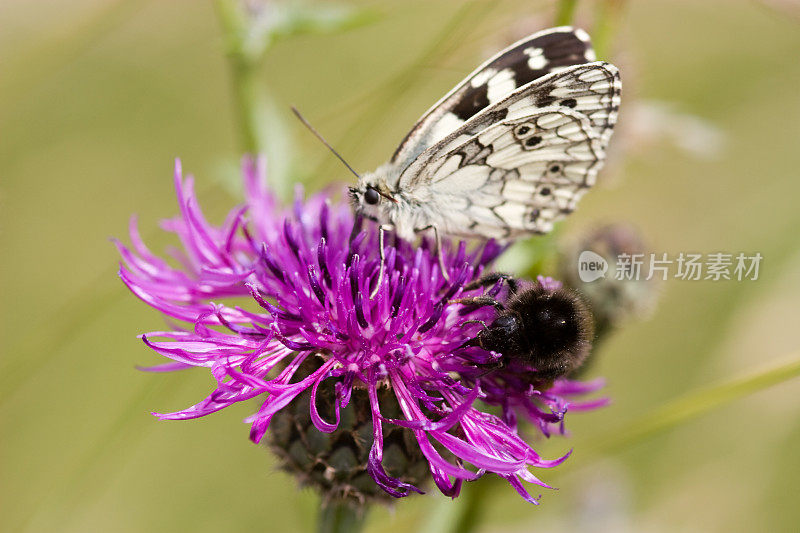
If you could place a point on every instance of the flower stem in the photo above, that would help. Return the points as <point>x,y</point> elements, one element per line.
<point>258,124</point>
<point>244,76</point>
<point>606,21</point>
<point>249,106</point>
<point>464,510</point>
<point>340,517</point>
<point>686,408</point>
<point>565,12</point>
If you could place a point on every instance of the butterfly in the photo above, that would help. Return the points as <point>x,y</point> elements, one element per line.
<point>508,152</point>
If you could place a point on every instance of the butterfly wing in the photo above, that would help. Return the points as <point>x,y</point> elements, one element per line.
<point>521,63</point>
<point>524,162</point>
<point>516,177</point>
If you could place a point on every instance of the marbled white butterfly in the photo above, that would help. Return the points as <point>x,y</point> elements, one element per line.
<point>508,151</point>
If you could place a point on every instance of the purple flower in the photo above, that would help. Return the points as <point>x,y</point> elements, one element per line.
<point>295,282</point>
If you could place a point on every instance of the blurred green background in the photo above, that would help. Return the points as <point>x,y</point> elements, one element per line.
<point>98,97</point>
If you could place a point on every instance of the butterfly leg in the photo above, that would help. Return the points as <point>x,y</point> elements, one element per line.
<point>381,236</point>
<point>439,255</point>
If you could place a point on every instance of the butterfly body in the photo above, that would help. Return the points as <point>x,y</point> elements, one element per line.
<point>509,151</point>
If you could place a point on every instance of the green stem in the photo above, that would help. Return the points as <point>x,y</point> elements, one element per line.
<point>340,517</point>
<point>243,65</point>
<point>250,105</point>
<point>463,512</point>
<point>606,21</point>
<point>686,408</point>
<point>565,12</point>
<point>253,108</point>
<point>472,508</point>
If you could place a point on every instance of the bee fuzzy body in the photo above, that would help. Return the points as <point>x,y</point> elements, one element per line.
<point>546,332</point>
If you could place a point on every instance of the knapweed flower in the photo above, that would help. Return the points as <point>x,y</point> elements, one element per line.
<point>355,392</point>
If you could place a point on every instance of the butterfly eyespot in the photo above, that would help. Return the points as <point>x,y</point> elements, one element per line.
<point>569,102</point>
<point>371,196</point>
<point>555,168</point>
<point>545,191</point>
<point>522,129</point>
<point>533,141</point>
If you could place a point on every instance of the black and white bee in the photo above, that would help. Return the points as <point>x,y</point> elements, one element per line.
<point>548,332</point>
<point>510,150</point>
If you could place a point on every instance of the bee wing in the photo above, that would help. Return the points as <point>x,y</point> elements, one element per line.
<point>521,63</point>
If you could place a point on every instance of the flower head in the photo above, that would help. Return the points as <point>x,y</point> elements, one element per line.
<point>277,306</point>
<point>618,296</point>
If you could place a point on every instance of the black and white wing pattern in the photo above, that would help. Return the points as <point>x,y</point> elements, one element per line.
<point>524,162</point>
<point>521,63</point>
<point>508,151</point>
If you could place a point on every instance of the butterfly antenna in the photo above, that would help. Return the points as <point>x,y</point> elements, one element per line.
<point>322,139</point>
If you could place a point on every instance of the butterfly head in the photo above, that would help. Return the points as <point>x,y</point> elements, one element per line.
<point>372,198</point>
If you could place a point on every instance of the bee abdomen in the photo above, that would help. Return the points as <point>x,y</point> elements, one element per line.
<point>556,329</point>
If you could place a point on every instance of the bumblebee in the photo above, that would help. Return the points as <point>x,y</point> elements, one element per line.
<point>548,331</point>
